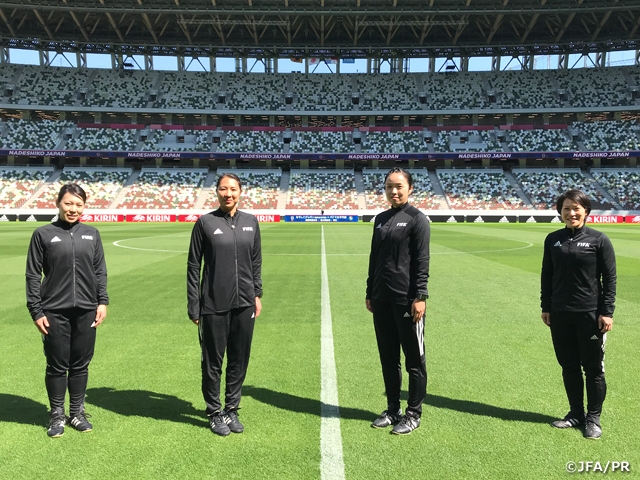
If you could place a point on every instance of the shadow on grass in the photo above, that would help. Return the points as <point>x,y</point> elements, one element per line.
<point>477,408</point>
<point>143,403</point>
<point>297,404</point>
<point>17,409</point>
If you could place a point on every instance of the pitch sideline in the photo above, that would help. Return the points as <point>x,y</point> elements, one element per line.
<point>331,460</point>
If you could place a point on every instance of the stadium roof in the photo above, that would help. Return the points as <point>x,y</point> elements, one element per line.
<point>322,28</point>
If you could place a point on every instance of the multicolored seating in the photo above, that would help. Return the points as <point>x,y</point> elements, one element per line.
<point>164,189</point>
<point>478,190</point>
<point>101,185</point>
<point>322,190</point>
<point>19,184</point>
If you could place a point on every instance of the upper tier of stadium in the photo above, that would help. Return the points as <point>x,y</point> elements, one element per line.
<point>100,90</point>
<point>60,135</point>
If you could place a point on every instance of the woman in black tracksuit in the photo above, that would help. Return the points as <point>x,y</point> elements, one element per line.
<point>67,304</point>
<point>225,302</point>
<point>578,292</point>
<point>396,295</point>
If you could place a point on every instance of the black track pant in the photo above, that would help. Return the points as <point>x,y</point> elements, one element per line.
<point>395,328</point>
<point>579,344</point>
<point>231,331</point>
<point>68,348</point>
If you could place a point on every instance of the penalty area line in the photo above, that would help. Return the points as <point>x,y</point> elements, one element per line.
<point>331,460</point>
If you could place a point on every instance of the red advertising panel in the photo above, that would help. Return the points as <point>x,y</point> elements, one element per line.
<point>192,217</point>
<point>605,219</point>
<point>266,218</point>
<point>151,217</point>
<point>633,219</point>
<point>102,217</point>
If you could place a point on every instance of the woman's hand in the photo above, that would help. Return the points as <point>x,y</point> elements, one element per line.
<point>605,324</point>
<point>546,318</point>
<point>101,314</point>
<point>258,306</point>
<point>42,324</point>
<point>417,309</point>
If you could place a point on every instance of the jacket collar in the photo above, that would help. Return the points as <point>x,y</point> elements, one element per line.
<point>65,225</point>
<point>577,231</point>
<point>221,213</point>
<point>401,208</point>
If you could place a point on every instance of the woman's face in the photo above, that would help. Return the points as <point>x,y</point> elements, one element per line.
<point>397,189</point>
<point>70,208</point>
<point>228,194</point>
<point>573,214</point>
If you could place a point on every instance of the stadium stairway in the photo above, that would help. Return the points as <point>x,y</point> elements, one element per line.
<point>599,188</point>
<point>45,185</point>
<point>87,88</point>
<point>156,87</point>
<point>125,189</point>
<point>204,191</point>
<point>359,181</point>
<point>487,87</point>
<point>437,188</point>
<point>284,190</point>
<point>576,137</point>
<point>631,83</point>
<point>556,87</point>
<point>523,196</point>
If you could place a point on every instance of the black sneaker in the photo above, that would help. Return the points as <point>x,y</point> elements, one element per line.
<point>569,421</point>
<point>231,418</point>
<point>408,423</point>
<point>592,431</point>
<point>55,428</point>
<point>80,422</point>
<point>218,424</point>
<point>387,419</point>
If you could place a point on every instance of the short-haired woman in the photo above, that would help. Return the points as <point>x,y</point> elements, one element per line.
<point>578,292</point>
<point>67,299</point>
<point>396,295</point>
<point>224,299</point>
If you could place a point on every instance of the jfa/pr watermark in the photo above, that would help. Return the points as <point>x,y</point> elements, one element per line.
<point>598,467</point>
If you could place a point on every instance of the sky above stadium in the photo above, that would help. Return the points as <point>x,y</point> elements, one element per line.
<point>31,57</point>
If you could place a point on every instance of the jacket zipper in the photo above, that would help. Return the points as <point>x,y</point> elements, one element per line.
<point>235,252</point>
<point>73,258</point>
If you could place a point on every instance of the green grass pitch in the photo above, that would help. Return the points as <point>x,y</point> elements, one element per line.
<point>494,384</point>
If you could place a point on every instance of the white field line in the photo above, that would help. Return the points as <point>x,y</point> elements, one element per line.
<point>117,244</point>
<point>331,461</point>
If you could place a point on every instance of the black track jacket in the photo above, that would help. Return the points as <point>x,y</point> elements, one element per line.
<point>578,272</point>
<point>232,263</point>
<point>72,261</point>
<point>399,259</point>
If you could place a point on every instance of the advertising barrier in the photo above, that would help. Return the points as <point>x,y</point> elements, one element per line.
<point>192,217</point>
<point>35,217</point>
<point>526,218</point>
<point>262,218</point>
<point>482,218</point>
<point>605,219</point>
<point>446,218</point>
<point>266,218</point>
<point>114,216</point>
<point>101,217</point>
<point>321,218</point>
<point>152,217</point>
